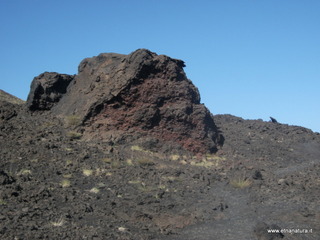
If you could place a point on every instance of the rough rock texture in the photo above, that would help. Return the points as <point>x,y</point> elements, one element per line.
<point>7,111</point>
<point>47,89</point>
<point>125,98</point>
<point>54,187</point>
<point>4,96</point>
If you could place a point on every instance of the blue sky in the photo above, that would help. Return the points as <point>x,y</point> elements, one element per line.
<point>249,58</point>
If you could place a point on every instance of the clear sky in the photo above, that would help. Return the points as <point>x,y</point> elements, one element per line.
<point>249,58</point>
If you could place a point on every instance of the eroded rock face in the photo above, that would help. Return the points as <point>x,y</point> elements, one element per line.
<point>137,97</point>
<point>47,89</point>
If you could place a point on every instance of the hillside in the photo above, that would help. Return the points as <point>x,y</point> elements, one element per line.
<point>106,154</point>
<point>4,96</point>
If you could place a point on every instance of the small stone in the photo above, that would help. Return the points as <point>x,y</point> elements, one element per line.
<point>122,229</point>
<point>257,175</point>
<point>282,181</point>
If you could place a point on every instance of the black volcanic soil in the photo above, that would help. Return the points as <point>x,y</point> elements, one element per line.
<point>124,150</point>
<point>54,185</point>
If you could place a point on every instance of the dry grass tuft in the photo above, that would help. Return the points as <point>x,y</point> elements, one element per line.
<point>87,172</point>
<point>94,190</point>
<point>74,135</point>
<point>175,157</point>
<point>145,162</point>
<point>65,183</point>
<point>240,182</point>
<point>137,148</point>
<point>72,121</point>
<point>58,223</point>
<point>24,172</point>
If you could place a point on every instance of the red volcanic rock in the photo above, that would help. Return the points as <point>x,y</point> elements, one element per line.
<point>139,97</point>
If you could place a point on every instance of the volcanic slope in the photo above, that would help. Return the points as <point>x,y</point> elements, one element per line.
<point>60,180</point>
<point>4,96</point>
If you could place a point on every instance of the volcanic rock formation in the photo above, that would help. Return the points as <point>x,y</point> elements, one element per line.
<point>125,98</point>
<point>47,89</point>
<point>62,178</point>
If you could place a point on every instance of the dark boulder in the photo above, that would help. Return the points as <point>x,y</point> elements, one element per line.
<point>6,178</point>
<point>47,89</point>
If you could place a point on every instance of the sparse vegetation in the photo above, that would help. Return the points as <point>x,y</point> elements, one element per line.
<point>129,162</point>
<point>74,135</point>
<point>203,163</point>
<point>101,185</point>
<point>162,186</point>
<point>145,162</point>
<point>115,164</point>
<point>183,162</point>
<point>122,229</point>
<point>58,223</point>
<point>208,161</point>
<point>69,162</point>
<point>24,172</point>
<point>240,182</point>
<point>4,96</point>
<point>99,172</point>
<point>107,160</point>
<point>87,172</point>
<point>170,178</point>
<point>109,185</point>
<point>65,183</point>
<point>73,121</point>
<point>135,182</point>
<point>67,175</point>
<point>174,157</point>
<point>136,148</point>
<point>140,149</point>
<point>94,190</point>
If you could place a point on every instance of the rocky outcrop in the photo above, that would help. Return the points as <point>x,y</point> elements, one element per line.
<point>125,98</point>
<point>47,89</point>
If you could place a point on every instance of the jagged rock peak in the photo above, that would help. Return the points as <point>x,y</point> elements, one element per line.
<point>126,98</point>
